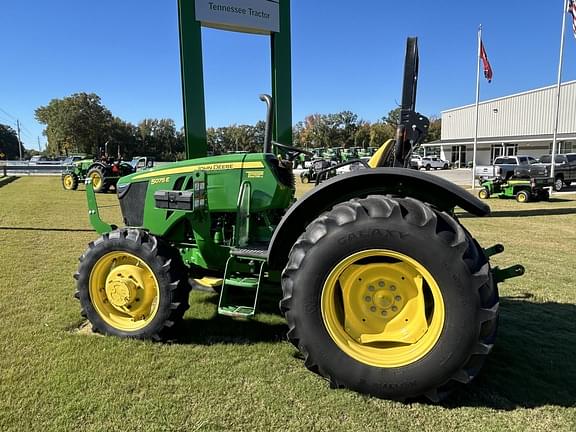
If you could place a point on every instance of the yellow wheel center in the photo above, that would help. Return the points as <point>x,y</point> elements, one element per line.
<point>124,291</point>
<point>68,181</point>
<point>121,292</point>
<point>387,312</point>
<point>96,179</point>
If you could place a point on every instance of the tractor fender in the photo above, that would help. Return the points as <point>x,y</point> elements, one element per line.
<point>436,191</point>
<point>98,164</point>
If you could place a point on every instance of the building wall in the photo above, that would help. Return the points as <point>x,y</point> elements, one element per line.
<point>529,113</point>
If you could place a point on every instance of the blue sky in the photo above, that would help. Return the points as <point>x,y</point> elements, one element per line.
<point>346,55</point>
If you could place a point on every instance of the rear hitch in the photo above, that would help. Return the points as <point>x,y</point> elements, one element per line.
<point>500,275</point>
<point>97,223</point>
<point>493,250</point>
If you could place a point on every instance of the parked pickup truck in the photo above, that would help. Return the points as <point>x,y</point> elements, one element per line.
<point>564,169</point>
<point>506,167</point>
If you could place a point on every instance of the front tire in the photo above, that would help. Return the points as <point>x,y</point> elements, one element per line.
<point>483,193</point>
<point>131,285</point>
<point>434,329</point>
<point>305,179</point>
<point>70,181</point>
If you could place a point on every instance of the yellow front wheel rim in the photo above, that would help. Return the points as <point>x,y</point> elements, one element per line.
<point>68,181</point>
<point>521,198</point>
<point>124,291</point>
<point>382,308</point>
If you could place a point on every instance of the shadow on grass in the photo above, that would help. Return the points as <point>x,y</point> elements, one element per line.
<point>46,229</point>
<point>523,213</point>
<point>532,363</point>
<point>221,329</point>
<point>7,180</point>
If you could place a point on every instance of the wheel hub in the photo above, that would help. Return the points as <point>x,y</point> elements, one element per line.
<point>122,285</point>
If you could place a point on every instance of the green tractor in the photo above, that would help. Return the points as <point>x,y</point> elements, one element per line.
<point>383,290</point>
<point>523,189</point>
<point>104,173</point>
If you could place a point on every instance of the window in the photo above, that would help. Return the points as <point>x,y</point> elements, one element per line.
<point>571,157</point>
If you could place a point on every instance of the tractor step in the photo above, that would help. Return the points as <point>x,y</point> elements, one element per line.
<point>226,304</point>
<point>236,311</point>
<point>258,252</point>
<point>247,282</point>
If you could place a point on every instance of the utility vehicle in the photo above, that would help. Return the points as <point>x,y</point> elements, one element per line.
<point>524,190</point>
<point>383,290</point>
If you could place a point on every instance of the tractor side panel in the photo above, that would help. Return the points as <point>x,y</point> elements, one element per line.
<point>402,182</point>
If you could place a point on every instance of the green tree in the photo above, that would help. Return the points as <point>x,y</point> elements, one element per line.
<point>393,117</point>
<point>380,132</point>
<point>9,143</point>
<point>76,123</point>
<point>435,129</point>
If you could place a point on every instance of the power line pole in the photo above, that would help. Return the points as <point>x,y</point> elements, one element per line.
<point>39,149</point>
<point>19,140</point>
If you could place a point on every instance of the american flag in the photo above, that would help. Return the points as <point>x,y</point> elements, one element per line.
<point>572,11</point>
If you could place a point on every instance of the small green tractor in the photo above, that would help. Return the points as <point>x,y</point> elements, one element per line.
<point>523,189</point>
<point>104,173</point>
<point>383,290</point>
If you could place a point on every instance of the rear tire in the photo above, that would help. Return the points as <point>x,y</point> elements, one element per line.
<point>99,181</point>
<point>460,290</point>
<point>523,197</point>
<point>428,167</point>
<point>132,285</point>
<point>558,184</point>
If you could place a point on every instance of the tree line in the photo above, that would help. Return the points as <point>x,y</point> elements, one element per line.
<point>81,124</point>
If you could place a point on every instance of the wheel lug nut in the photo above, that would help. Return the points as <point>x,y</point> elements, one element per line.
<point>384,313</point>
<point>397,298</point>
<point>373,309</point>
<point>394,308</point>
<point>392,288</point>
<point>368,298</point>
<point>371,288</point>
<point>381,283</point>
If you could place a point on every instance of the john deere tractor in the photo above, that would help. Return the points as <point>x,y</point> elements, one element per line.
<point>104,173</point>
<point>383,290</point>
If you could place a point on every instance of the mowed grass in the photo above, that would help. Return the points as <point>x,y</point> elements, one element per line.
<point>224,374</point>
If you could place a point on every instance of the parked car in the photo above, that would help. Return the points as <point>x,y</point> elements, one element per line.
<point>564,169</point>
<point>506,167</point>
<point>428,163</point>
<point>354,166</point>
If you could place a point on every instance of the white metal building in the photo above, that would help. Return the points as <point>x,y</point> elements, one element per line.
<point>521,123</point>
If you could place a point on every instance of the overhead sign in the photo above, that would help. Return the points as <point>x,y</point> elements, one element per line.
<point>249,16</point>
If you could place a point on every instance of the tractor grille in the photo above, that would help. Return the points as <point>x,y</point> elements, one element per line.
<point>132,200</point>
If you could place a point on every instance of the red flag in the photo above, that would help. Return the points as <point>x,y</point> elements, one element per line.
<point>486,63</point>
<point>572,11</point>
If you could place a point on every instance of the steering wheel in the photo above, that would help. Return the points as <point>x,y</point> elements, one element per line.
<point>292,151</point>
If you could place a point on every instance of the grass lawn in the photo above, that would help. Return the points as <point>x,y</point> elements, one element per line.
<point>221,374</point>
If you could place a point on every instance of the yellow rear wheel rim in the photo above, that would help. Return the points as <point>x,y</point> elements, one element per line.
<point>521,197</point>
<point>96,180</point>
<point>68,181</point>
<point>382,308</point>
<point>124,291</point>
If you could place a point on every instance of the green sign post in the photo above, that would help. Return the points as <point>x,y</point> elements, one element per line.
<point>268,17</point>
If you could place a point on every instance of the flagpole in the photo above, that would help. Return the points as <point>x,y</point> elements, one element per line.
<point>477,100</point>
<point>557,111</point>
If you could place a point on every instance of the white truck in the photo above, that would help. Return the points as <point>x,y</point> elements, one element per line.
<point>506,167</point>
